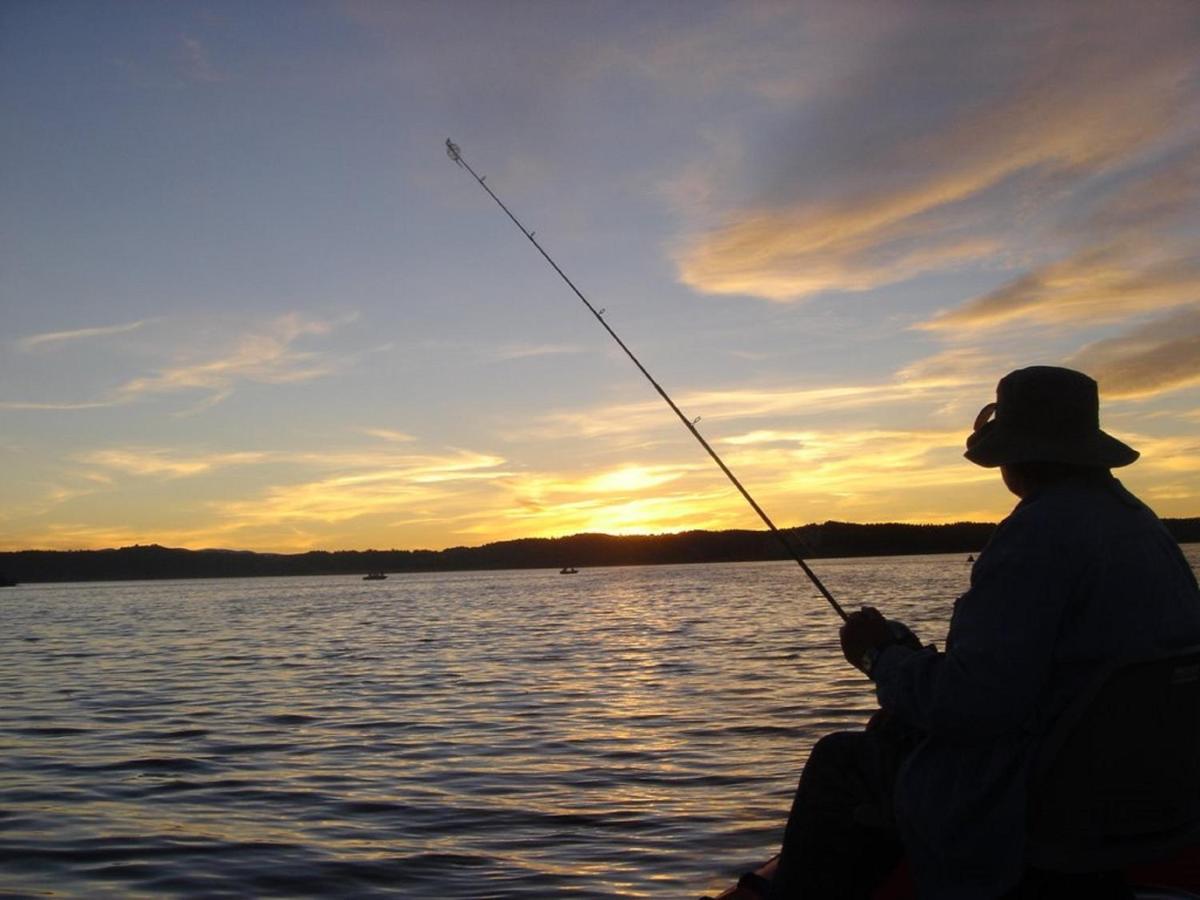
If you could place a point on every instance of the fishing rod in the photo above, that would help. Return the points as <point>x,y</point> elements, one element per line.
<point>453,151</point>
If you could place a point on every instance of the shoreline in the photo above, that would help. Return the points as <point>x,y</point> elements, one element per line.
<point>829,540</point>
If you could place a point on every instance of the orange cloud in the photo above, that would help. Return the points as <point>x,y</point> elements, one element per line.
<point>652,417</point>
<point>61,337</point>
<point>1077,113</point>
<point>152,461</point>
<point>409,480</point>
<point>388,434</point>
<point>371,499</point>
<point>1099,285</point>
<point>1160,356</point>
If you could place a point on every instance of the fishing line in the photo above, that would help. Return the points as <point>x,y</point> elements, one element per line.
<point>453,151</point>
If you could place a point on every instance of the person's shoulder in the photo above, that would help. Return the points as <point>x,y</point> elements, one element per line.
<point>1084,516</point>
<point>1045,510</point>
<point>1029,530</point>
<point>1083,499</point>
<point>1062,514</point>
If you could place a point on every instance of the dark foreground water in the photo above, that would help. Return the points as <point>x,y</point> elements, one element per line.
<point>632,732</point>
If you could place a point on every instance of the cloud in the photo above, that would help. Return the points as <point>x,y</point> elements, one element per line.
<point>1176,454</point>
<point>810,473</point>
<point>523,351</point>
<point>153,461</point>
<point>851,459</point>
<point>1166,192</point>
<point>35,405</point>
<point>266,354</point>
<point>1097,285</point>
<point>388,434</point>
<point>53,494</point>
<point>346,497</point>
<point>61,337</point>
<point>790,255</point>
<point>957,367</point>
<point>1159,356</point>
<point>1073,93</point>
<point>673,511</point>
<point>406,481</point>
<point>1166,473</point>
<point>628,498</point>
<point>174,463</point>
<point>731,405</point>
<point>631,478</point>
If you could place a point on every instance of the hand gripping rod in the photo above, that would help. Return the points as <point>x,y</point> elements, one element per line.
<point>453,151</point>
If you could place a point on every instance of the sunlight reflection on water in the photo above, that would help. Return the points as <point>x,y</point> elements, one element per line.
<point>631,732</point>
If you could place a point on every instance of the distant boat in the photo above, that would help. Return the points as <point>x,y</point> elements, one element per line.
<point>568,571</point>
<point>375,576</point>
<point>970,558</point>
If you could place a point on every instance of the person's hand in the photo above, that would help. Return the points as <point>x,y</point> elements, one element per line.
<point>863,635</point>
<point>903,635</point>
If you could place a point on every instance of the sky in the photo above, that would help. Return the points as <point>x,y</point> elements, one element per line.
<point>248,301</point>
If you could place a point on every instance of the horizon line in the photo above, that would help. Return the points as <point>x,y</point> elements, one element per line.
<point>661,534</point>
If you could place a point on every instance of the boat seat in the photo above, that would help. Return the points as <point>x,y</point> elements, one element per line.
<point>1117,779</point>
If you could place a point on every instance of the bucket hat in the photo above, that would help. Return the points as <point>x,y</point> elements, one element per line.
<point>1045,414</point>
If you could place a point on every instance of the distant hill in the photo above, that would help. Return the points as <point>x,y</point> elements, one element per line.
<point>830,539</point>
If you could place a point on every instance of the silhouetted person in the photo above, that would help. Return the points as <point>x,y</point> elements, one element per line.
<point>1080,574</point>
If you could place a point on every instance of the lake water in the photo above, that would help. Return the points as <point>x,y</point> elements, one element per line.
<point>626,732</point>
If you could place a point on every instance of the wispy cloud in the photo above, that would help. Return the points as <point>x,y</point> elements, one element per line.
<point>1159,356</point>
<point>858,473</point>
<point>735,404</point>
<point>266,354</point>
<point>414,480</point>
<point>915,204</point>
<point>1179,454</point>
<point>840,459</point>
<point>528,351</point>
<point>157,461</point>
<point>78,334</point>
<point>1164,193</point>
<point>173,462</point>
<point>956,367</point>
<point>46,498</point>
<point>650,514</point>
<point>37,405</point>
<point>458,494</point>
<point>787,255</point>
<point>1098,285</point>
<point>387,434</point>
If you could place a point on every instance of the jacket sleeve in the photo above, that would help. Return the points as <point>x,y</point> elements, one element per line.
<point>1000,647</point>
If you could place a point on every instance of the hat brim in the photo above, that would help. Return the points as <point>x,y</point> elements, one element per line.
<point>993,445</point>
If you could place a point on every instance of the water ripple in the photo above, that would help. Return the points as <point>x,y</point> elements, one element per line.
<point>621,733</point>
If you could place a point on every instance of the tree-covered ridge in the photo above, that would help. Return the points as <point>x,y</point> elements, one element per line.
<point>830,539</point>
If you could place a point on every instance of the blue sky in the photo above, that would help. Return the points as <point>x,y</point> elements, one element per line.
<point>248,302</point>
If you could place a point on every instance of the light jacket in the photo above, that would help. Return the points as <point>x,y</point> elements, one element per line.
<point>1079,575</point>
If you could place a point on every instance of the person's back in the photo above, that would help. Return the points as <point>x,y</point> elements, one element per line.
<point>1081,575</point>
<point>1134,592</point>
